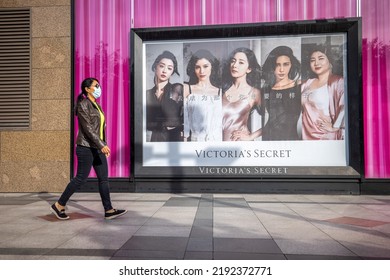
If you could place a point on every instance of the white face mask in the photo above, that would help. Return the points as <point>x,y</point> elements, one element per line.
<point>97,93</point>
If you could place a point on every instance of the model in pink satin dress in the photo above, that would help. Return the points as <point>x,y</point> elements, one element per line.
<point>235,116</point>
<point>322,99</point>
<point>242,95</point>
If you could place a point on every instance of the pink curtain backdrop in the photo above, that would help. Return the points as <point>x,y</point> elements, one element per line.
<point>239,11</point>
<point>102,30</point>
<point>316,9</point>
<point>165,13</point>
<point>102,50</point>
<point>376,87</point>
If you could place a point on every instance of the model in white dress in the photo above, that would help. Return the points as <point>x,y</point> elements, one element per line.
<point>203,116</point>
<point>202,99</point>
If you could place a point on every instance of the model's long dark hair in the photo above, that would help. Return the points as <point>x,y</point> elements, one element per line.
<point>253,78</point>
<point>84,94</point>
<point>270,65</point>
<point>215,78</point>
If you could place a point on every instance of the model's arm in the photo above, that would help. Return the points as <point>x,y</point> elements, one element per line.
<point>241,135</point>
<point>185,112</point>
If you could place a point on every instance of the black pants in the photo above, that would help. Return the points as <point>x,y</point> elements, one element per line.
<point>86,159</point>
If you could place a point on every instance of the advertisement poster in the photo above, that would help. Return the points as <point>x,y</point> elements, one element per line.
<point>245,102</point>
<point>256,105</point>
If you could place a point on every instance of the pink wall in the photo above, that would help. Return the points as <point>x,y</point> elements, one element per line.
<point>239,11</point>
<point>147,13</point>
<point>316,9</point>
<point>102,50</point>
<point>376,87</point>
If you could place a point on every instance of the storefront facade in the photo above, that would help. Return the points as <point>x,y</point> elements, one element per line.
<point>72,40</point>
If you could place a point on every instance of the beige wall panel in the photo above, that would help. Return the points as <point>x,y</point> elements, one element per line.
<point>35,146</point>
<point>34,176</point>
<point>28,3</point>
<point>51,83</point>
<point>50,115</point>
<point>51,21</point>
<point>51,52</point>
<point>39,160</point>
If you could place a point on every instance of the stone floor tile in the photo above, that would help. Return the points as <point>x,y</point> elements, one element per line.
<point>255,230</point>
<point>178,231</point>
<point>156,243</point>
<point>95,242</point>
<point>38,241</point>
<point>246,245</point>
<point>313,247</point>
<point>201,231</point>
<point>247,256</point>
<point>198,255</point>
<point>200,244</point>
<point>148,255</point>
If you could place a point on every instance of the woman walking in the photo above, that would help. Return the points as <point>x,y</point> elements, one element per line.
<point>91,151</point>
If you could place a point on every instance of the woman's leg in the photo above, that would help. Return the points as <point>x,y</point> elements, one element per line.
<point>84,165</point>
<point>101,168</point>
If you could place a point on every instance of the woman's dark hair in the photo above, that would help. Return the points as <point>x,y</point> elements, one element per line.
<point>204,54</point>
<point>168,55</point>
<point>253,78</point>
<point>270,65</point>
<point>84,84</point>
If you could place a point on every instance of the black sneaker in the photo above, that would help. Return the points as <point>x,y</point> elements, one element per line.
<point>115,214</point>
<point>60,214</point>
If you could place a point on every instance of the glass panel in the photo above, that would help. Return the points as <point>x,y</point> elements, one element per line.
<point>376,87</point>
<point>102,51</point>
<point>316,9</point>
<point>239,11</point>
<point>159,13</point>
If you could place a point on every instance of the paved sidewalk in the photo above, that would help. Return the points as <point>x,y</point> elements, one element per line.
<point>197,226</point>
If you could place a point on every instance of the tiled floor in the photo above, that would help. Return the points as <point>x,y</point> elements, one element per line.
<point>197,226</point>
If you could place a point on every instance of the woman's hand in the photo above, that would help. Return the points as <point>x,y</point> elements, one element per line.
<point>106,151</point>
<point>326,126</point>
<point>241,135</point>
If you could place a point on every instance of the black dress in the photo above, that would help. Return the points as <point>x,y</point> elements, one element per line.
<point>164,115</point>
<point>284,109</point>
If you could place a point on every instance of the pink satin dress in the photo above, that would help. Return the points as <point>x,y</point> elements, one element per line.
<point>315,107</point>
<point>235,115</point>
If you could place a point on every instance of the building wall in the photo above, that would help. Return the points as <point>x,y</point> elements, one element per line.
<point>38,159</point>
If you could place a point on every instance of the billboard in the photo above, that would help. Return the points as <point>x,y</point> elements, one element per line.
<point>259,100</point>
